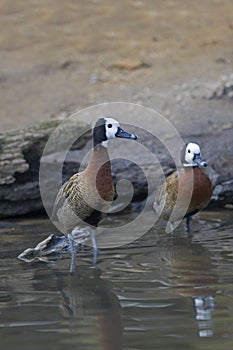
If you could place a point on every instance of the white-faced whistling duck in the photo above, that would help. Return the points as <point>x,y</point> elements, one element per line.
<point>190,178</point>
<point>87,195</point>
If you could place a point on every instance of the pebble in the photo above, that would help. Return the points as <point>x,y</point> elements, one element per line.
<point>227,126</point>
<point>130,65</point>
<point>222,88</point>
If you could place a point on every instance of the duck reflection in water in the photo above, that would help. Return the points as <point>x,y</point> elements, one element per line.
<point>193,276</point>
<point>91,307</point>
<point>203,308</point>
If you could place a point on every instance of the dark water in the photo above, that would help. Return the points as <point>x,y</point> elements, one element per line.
<point>161,292</point>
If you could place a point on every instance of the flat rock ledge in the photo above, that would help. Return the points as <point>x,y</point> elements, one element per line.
<point>21,151</point>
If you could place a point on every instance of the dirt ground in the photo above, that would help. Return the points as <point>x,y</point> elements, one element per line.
<point>61,56</point>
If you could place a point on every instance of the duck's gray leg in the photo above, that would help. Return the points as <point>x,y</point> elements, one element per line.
<point>95,248</point>
<point>188,223</point>
<point>73,252</point>
<point>170,227</point>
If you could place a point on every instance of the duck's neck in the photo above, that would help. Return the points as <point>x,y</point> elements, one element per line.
<point>189,165</point>
<point>98,170</point>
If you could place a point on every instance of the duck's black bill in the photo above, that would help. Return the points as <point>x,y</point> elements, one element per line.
<point>200,162</point>
<point>125,135</point>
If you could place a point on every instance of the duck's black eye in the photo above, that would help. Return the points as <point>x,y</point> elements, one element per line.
<point>189,151</point>
<point>109,125</point>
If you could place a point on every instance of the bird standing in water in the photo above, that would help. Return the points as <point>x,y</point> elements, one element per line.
<point>177,187</point>
<point>86,197</point>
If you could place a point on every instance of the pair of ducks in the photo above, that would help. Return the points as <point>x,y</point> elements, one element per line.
<point>86,197</point>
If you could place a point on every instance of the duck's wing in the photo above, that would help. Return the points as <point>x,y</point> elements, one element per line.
<point>166,194</point>
<point>171,186</point>
<point>159,200</point>
<point>64,193</point>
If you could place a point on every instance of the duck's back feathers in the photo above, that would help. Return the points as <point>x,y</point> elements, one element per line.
<point>63,194</point>
<point>167,196</point>
<point>78,202</point>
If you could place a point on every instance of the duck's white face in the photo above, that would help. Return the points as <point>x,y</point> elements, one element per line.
<point>108,128</point>
<point>111,128</point>
<point>192,149</point>
<point>193,155</point>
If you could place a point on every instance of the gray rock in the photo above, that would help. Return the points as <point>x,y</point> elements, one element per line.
<point>223,194</point>
<point>20,153</point>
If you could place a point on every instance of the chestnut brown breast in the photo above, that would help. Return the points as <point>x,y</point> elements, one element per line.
<point>190,184</point>
<point>99,175</point>
<point>202,189</point>
<point>80,197</point>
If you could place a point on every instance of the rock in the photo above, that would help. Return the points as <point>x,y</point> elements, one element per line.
<point>129,65</point>
<point>223,194</point>
<point>54,245</point>
<point>20,153</point>
<point>223,88</point>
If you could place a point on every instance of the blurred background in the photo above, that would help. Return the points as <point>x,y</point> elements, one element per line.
<point>60,56</point>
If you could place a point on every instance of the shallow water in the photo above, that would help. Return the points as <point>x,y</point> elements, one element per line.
<point>160,292</point>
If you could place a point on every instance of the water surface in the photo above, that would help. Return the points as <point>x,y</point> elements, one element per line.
<point>160,292</point>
